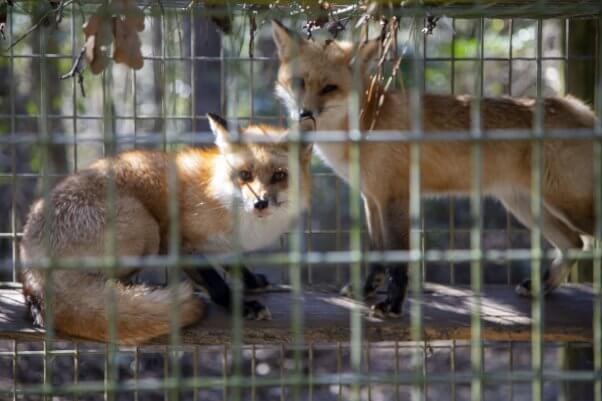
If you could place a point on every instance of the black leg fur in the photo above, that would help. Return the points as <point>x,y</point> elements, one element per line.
<point>525,285</point>
<point>397,287</point>
<point>254,282</point>
<point>375,279</point>
<point>221,294</point>
<point>395,236</point>
<point>35,309</point>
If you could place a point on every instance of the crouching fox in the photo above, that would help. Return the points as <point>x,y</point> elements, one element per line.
<point>232,182</point>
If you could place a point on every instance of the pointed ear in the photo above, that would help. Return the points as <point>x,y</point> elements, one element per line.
<point>219,126</point>
<point>368,52</point>
<point>287,41</point>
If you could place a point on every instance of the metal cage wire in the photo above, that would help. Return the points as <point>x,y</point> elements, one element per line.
<point>346,369</point>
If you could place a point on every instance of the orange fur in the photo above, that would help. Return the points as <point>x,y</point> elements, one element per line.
<point>74,224</point>
<point>446,166</point>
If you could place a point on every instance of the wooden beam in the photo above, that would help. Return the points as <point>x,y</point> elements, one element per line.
<point>451,8</point>
<point>506,317</point>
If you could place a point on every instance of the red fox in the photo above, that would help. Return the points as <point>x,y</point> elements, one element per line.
<point>232,182</point>
<point>315,81</point>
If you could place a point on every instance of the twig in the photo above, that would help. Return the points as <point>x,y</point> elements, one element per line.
<point>150,4</point>
<point>431,23</point>
<point>388,39</point>
<point>59,14</point>
<point>337,26</point>
<point>77,69</point>
<point>40,21</point>
<point>252,29</point>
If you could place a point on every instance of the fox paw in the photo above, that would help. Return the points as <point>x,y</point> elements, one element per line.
<point>524,288</point>
<point>347,291</point>
<point>551,279</point>
<point>254,310</point>
<point>385,310</point>
<point>35,310</point>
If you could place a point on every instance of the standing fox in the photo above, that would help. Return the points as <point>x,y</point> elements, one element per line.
<point>315,81</point>
<point>243,183</point>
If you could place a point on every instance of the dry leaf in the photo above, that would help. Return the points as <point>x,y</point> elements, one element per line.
<point>118,24</point>
<point>126,25</point>
<point>99,35</point>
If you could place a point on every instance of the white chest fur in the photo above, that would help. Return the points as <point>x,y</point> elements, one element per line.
<point>252,233</point>
<point>333,154</point>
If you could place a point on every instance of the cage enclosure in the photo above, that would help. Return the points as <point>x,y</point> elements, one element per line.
<point>87,80</point>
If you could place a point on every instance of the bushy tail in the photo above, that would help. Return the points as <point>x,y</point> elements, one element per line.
<point>81,308</point>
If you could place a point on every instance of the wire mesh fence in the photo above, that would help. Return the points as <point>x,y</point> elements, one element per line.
<point>49,130</point>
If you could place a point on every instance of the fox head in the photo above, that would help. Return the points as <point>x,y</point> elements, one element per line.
<point>257,173</point>
<point>316,79</point>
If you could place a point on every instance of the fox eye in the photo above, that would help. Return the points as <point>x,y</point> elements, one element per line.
<point>298,83</point>
<point>328,89</point>
<point>245,175</point>
<point>279,176</point>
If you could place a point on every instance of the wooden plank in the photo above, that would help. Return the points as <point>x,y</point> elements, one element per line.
<point>505,315</point>
<point>505,8</point>
<point>451,8</point>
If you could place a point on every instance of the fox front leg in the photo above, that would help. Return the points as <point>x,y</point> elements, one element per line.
<point>397,286</point>
<point>377,271</point>
<point>254,282</point>
<point>395,235</point>
<point>221,293</point>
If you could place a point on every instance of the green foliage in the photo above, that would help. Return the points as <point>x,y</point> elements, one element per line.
<point>465,47</point>
<point>32,108</point>
<point>36,159</point>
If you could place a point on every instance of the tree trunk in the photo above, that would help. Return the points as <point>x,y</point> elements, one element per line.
<point>581,83</point>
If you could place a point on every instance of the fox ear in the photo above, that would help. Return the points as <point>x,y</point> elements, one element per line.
<point>287,41</point>
<point>368,52</point>
<point>219,126</point>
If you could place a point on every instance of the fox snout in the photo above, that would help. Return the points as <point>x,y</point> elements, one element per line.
<point>265,206</point>
<point>307,121</point>
<point>305,113</point>
<point>261,204</point>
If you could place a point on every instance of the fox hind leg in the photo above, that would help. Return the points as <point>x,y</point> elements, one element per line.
<point>559,234</point>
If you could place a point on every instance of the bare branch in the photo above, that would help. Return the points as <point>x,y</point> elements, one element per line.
<point>76,70</point>
<point>42,19</point>
<point>252,29</point>
<point>431,23</point>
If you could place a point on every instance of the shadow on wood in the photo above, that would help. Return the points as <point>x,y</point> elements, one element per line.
<point>446,310</point>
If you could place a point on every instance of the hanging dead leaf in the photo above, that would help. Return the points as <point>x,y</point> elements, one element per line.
<point>99,35</point>
<point>129,20</point>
